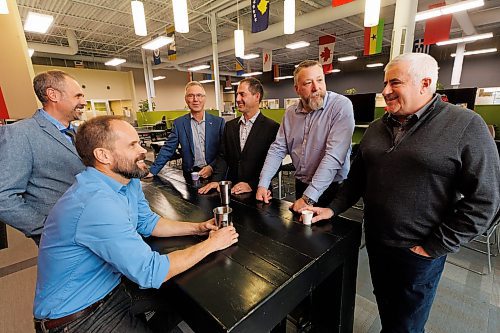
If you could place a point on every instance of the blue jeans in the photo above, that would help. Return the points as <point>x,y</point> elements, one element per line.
<point>124,312</point>
<point>404,284</point>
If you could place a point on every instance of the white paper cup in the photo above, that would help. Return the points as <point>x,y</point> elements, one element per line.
<point>195,175</point>
<point>307,216</point>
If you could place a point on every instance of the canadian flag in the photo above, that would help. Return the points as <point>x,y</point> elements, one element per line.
<point>326,46</point>
<point>267,60</point>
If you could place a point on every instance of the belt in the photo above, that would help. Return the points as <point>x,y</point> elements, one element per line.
<point>45,325</point>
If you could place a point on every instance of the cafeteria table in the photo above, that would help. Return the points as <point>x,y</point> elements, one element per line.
<point>277,262</point>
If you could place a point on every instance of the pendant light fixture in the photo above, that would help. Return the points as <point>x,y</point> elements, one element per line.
<point>289,17</point>
<point>372,13</point>
<point>139,18</point>
<point>239,37</point>
<point>181,19</point>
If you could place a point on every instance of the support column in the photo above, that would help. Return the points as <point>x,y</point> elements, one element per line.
<point>146,79</point>
<point>456,74</point>
<point>215,56</point>
<point>404,27</point>
<point>17,71</point>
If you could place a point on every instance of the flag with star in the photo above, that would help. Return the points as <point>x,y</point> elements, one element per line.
<point>373,38</point>
<point>260,15</point>
<point>326,46</point>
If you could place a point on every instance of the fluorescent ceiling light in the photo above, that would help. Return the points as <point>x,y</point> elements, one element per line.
<point>235,83</point>
<point>466,39</point>
<point>377,64</point>
<point>30,52</point>
<point>284,77</point>
<point>157,43</point>
<point>139,18</point>
<point>181,20</point>
<point>491,89</point>
<point>372,13</point>
<point>448,9</point>
<point>115,62</point>
<point>36,22</point>
<point>336,70</point>
<point>239,43</point>
<point>289,17</point>
<point>251,74</point>
<point>160,77</point>
<point>228,88</point>
<point>4,9</point>
<point>477,52</point>
<point>198,68</point>
<point>297,45</point>
<point>206,81</point>
<point>250,56</point>
<point>347,58</point>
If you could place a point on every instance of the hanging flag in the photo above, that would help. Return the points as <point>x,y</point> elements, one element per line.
<point>4,114</point>
<point>240,70</point>
<point>276,72</point>
<point>171,48</point>
<point>228,82</point>
<point>373,38</point>
<point>260,15</point>
<point>326,46</point>
<point>336,3</point>
<point>437,29</point>
<point>420,47</point>
<point>156,57</point>
<point>267,60</point>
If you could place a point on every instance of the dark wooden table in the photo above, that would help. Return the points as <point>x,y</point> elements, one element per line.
<point>277,263</point>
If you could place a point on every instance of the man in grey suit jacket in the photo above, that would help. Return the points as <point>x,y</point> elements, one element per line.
<point>38,158</point>
<point>198,134</point>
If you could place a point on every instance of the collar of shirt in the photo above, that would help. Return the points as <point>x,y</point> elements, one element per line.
<point>54,121</point>
<point>251,120</point>
<point>202,120</point>
<point>113,184</point>
<point>300,107</point>
<point>413,118</point>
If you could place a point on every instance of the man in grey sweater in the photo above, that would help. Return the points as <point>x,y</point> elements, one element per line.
<point>429,174</point>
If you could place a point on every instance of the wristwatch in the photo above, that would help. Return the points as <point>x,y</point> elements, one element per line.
<point>308,200</point>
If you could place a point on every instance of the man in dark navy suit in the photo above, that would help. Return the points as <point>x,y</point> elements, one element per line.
<point>198,133</point>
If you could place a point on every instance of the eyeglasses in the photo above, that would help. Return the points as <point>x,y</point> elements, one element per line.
<point>192,96</point>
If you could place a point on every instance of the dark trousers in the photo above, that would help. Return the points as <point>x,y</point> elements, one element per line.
<point>128,309</point>
<point>324,200</point>
<point>404,284</point>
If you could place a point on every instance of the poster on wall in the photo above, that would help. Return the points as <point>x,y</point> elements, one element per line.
<point>270,104</point>
<point>291,101</point>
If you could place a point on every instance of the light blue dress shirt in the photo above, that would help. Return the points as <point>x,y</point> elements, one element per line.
<point>91,238</point>
<point>319,143</point>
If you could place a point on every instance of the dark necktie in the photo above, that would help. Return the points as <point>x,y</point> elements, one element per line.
<point>71,133</point>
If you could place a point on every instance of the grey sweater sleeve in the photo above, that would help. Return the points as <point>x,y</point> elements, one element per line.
<point>479,180</point>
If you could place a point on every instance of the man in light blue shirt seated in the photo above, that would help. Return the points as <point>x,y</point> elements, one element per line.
<point>316,132</point>
<point>93,237</point>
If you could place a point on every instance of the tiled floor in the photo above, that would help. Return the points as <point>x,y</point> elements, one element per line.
<point>465,303</point>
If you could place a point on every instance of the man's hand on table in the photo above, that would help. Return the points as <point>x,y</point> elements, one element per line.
<point>207,226</point>
<point>241,188</point>
<point>320,213</point>
<point>223,238</point>
<point>263,194</point>
<point>298,205</point>
<point>205,189</point>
